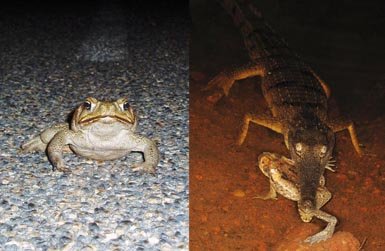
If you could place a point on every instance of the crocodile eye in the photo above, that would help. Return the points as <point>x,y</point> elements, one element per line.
<point>323,151</point>
<point>126,106</point>
<point>87,105</point>
<point>298,147</point>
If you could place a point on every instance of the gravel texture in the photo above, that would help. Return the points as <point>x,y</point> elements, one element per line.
<point>50,62</point>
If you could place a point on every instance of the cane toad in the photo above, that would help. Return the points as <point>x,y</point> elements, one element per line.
<point>99,130</point>
<point>284,180</point>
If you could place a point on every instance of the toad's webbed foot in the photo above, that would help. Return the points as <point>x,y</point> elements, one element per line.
<point>268,196</point>
<point>321,236</point>
<point>63,169</point>
<point>271,195</point>
<point>143,167</point>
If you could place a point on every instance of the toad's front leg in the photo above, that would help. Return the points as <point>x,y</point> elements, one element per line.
<point>271,195</point>
<point>150,154</point>
<point>55,149</point>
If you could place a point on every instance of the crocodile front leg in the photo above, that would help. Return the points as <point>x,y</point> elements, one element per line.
<point>342,124</point>
<point>325,86</point>
<point>260,119</point>
<point>226,79</point>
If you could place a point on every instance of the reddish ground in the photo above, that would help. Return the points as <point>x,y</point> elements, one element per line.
<point>349,55</point>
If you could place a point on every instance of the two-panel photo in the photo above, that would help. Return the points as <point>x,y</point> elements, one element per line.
<point>202,125</point>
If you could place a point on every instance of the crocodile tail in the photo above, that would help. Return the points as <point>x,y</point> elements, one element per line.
<point>259,38</point>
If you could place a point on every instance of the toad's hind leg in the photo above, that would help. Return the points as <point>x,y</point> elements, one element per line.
<point>40,142</point>
<point>35,144</point>
<point>329,229</point>
<point>260,119</point>
<point>323,196</point>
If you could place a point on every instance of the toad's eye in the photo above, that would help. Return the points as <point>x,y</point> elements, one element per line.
<point>87,105</point>
<point>265,161</point>
<point>298,147</point>
<point>126,106</point>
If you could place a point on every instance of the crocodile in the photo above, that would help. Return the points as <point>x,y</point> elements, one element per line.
<point>283,177</point>
<point>296,96</point>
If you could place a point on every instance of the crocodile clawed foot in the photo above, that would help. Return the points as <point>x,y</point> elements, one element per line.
<point>221,84</point>
<point>215,97</point>
<point>365,153</point>
<point>241,139</point>
<point>234,147</point>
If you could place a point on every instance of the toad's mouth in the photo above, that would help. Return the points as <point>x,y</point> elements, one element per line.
<point>108,119</point>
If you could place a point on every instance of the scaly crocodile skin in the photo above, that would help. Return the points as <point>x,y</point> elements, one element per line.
<point>293,93</point>
<point>296,96</point>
